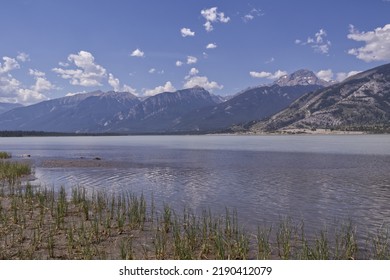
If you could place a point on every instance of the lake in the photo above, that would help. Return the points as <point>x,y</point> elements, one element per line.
<point>321,180</point>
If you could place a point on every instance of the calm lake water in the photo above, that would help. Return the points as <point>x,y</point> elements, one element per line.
<point>321,180</point>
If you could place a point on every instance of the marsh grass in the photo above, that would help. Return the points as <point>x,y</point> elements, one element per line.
<point>39,223</point>
<point>5,155</point>
<point>11,171</point>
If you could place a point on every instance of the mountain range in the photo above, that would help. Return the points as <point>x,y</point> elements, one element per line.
<point>295,101</point>
<point>361,102</point>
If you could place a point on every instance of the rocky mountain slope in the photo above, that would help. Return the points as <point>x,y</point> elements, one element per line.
<point>99,112</point>
<point>79,113</point>
<point>252,104</point>
<point>361,102</point>
<point>160,113</point>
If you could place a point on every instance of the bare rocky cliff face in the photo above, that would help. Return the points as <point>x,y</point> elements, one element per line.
<point>362,102</point>
<point>301,77</point>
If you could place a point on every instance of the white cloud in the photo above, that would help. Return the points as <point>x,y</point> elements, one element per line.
<point>211,46</point>
<point>8,65</point>
<point>192,72</point>
<point>63,64</point>
<point>192,80</point>
<point>36,73</point>
<point>268,75</point>
<point>326,75</point>
<point>168,87</point>
<point>208,26</point>
<point>75,93</point>
<point>9,88</point>
<point>155,71</point>
<point>377,44</point>
<point>252,14</point>
<point>203,82</point>
<point>272,59</point>
<point>341,76</point>
<point>114,82</point>
<point>187,32</point>
<point>116,85</point>
<point>36,92</point>
<point>191,59</point>
<point>212,16</point>
<point>248,17</point>
<point>138,53</point>
<point>179,63</point>
<point>23,57</point>
<point>318,43</point>
<point>87,74</point>
<point>12,90</point>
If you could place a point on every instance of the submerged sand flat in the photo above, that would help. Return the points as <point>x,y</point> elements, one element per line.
<point>82,163</point>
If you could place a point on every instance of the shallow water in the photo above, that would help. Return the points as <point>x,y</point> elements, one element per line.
<point>321,180</point>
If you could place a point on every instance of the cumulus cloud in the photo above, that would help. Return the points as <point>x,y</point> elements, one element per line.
<point>213,16</point>
<point>138,53</point>
<point>152,70</point>
<point>168,87</point>
<point>23,57</point>
<point>9,88</point>
<point>329,76</point>
<point>36,92</point>
<point>326,75</point>
<point>63,64</point>
<point>377,44</point>
<point>211,46</point>
<point>192,80</point>
<point>179,63</point>
<point>341,76</point>
<point>193,72</point>
<point>319,43</point>
<point>8,65</point>
<point>191,59</point>
<point>116,85</point>
<point>87,73</point>
<point>187,32</point>
<point>268,75</point>
<point>12,90</point>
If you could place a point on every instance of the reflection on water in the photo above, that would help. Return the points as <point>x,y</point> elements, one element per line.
<point>320,180</point>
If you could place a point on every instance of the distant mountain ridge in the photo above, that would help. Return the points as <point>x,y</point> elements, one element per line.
<point>77,113</point>
<point>107,112</point>
<point>361,102</point>
<point>297,101</point>
<point>252,104</point>
<point>4,106</point>
<point>159,113</point>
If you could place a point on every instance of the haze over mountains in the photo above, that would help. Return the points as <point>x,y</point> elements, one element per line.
<point>299,100</point>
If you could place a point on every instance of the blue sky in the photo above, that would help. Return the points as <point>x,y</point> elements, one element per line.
<point>51,48</point>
